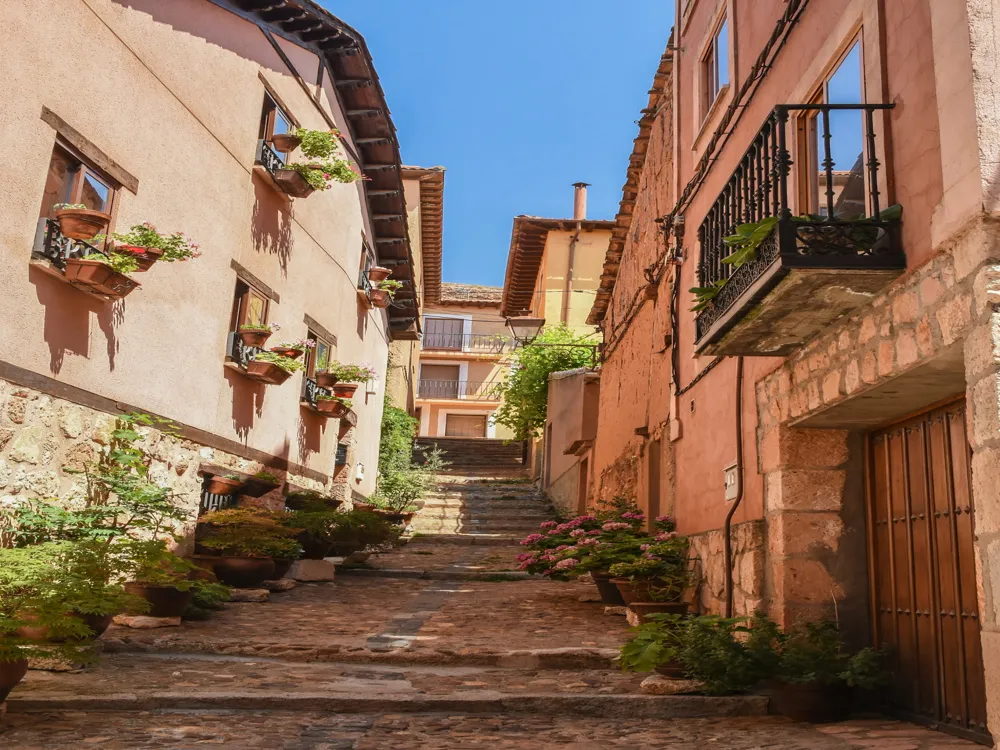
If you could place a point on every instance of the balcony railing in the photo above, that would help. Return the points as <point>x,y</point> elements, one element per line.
<point>850,235</point>
<point>239,353</point>
<point>310,390</point>
<point>51,245</point>
<point>286,180</point>
<point>476,343</point>
<point>458,389</point>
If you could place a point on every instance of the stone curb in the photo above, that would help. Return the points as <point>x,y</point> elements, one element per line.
<point>560,658</point>
<point>605,706</point>
<point>438,575</point>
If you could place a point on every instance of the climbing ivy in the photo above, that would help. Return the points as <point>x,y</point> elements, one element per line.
<point>524,395</point>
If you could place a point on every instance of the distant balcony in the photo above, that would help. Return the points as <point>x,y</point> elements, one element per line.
<point>473,343</point>
<point>459,390</point>
<point>55,254</point>
<point>809,270</point>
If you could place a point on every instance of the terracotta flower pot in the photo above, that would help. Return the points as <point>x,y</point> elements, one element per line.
<point>366,507</point>
<point>81,223</point>
<point>345,390</point>
<point>332,408</point>
<point>673,670</point>
<point>99,277</point>
<point>378,273</point>
<point>144,256</point>
<point>608,591</point>
<point>164,601</point>
<point>380,298</point>
<point>267,372</point>
<point>285,142</point>
<point>287,351</point>
<point>314,548</point>
<point>97,624</point>
<point>292,183</point>
<point>638,590</point>
<point>325,379</point>
<point>814,703</point>
<point>222,485</point>
<point>11,673</point>
<point>244,572</point>
<point>251,337</point>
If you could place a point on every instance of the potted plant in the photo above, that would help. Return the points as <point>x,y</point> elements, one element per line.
<point>395,511</point>
<point>317,525</point>
<point>147,245</point>
<point>343,378</point>
<point>311,500</point>
<point>655,646</point>
<point>384,291</point>
<point>655,580</point>
<point>256,334</point>
<point>285,142</point>
<point>816,676</point>
<point>164,580</point>
<point>293,349</point>
<point>226,484</point>
<point>250,541</point>
<point>78,222</point>
<point>378,273</point>
<point>322,165</point>
<point>271,368</point>
<point>333,406</point>
<point>103,274</point>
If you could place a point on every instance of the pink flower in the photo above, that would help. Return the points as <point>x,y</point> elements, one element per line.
<point>577,533</point>
<point>561,547</point>
<point>643,547</point>
<point>584,519</point>
<point>616,526</point>
<point>566,564</point>
<point>554,532</point>
<point>547,572</point>
<point>666,536</point>
<point>664,519</point>
<point>548,525</point>
<point>525,565</point>
<point>595,532</point>
<point>525,556</point>
<point>531,539</point>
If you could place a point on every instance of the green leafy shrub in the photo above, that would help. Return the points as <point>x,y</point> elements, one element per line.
<point>814,653</point>
<point>207,597</point>
<point>345,373</point>
<point>285,363</point>
<point>175,247</point>
<point>119,262</point>
<point>317,144</point>
<point>250,532</point>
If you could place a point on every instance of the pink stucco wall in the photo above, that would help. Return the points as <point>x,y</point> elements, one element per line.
<point>174,96</point>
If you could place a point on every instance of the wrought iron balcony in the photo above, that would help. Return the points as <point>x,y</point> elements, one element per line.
<point>51,245</point>
<point>476,343</point>
<point>310,391</point>
<point>808,270</point>
<point>52,251</point>
<point>238,353</point>
<point>461,390</point>
<point>286,180</point>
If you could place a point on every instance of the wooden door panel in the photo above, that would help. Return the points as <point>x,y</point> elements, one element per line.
<point>923,569</point>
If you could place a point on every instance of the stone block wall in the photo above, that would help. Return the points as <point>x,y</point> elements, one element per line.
<point>44,439</point>
<point>749,556</point>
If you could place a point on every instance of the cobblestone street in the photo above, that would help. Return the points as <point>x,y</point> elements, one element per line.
<point>436,645</point>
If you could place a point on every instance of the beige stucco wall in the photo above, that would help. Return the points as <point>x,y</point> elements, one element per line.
<point>587,265</point>
<point>174,97</point>
<point>573,403</point>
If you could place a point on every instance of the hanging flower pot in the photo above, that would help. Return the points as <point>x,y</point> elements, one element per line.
<point>254,336</point>
<point>287,351</point>
<point>285,142</point>
<point>333,407</point>
<point>380,298</point>
<point>99,277</point>
<point>325,379</point>
<point>144,256</point>
<point>378,273</point>
<point>344,390</point>
<point>222,485</point>
<point>267,372</point>
<point>292,183</point>
<point>81,223</point>
<point>11,673</point>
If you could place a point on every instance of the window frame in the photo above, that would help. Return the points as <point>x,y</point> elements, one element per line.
<point>268,116</point>
<point>368,261</point>
<point>83,168</point>
<point>312,355</point>
<point>242,293</point>
<point>712,89</point>
<point>808,134</point>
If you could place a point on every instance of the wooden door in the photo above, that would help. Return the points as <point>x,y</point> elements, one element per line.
<point>465,425</point>
<point>923,578</point>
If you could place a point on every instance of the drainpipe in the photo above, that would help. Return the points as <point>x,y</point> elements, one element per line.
<point>579,216</point>
<point>727,528</point>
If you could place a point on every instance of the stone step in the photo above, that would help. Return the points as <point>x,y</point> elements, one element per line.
<point>479,540</point>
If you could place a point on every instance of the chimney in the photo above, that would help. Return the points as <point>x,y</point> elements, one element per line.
<point>580,201</point>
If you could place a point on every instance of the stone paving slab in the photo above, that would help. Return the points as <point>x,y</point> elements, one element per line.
<point>181,730</point>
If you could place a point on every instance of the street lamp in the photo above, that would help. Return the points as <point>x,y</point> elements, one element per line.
<point>525,329</point>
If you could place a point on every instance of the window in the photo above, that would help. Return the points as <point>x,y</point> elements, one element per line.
<point>72,180</point>
<point>323,352</point>
<point>250,307</point>
<point>443,333</point>
<point>367,263</point>
<point>274,122</point>
<point>846,190</point>
<point>715,66</point>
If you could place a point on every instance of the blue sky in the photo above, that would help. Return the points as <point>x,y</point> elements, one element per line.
<point>518,100</point>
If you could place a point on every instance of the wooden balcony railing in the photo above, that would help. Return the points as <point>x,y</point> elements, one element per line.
<point>458,389</point>
<point>477,343</point>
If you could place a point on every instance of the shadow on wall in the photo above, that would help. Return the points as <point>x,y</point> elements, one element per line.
<point>310,433</point>
<point>248,402</point>
<point>271,227</point>
<point>67,319</point>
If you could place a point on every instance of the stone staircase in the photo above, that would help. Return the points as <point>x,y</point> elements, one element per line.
<point>476,454</point>
<point>505,508</point>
